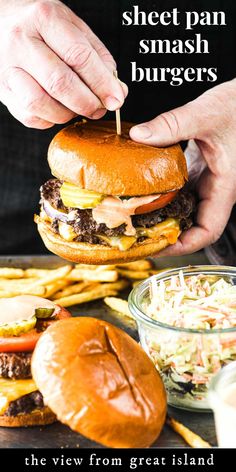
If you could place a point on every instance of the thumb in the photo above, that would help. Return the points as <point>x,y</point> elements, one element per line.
<point>171,127</point>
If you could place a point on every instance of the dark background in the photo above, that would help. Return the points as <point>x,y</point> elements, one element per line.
<point>23,164</point>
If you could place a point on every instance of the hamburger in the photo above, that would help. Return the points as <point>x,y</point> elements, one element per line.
<point>23,319</point>
<point>113,200</point>
<point>102,384</point>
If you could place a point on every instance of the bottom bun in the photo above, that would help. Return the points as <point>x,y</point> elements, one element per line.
<point>35,418</point>
<point>95,253</point>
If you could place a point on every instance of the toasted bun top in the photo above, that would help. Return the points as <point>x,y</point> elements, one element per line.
<point>101,383</point>
<point>92,156</point>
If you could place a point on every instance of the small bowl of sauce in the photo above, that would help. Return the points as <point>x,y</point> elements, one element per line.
<point>222,399</point>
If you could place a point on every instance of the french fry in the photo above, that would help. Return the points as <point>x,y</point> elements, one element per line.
<point>8,283</point>
<point>77,299</point>
<point>121,311</point>
<point>54,287</point>
<point>91,286</point>
<point>36,273</point>
<point>190,438</point>
<point>20,287</point>
<point>38,291</point>
<point>11,273</point>
<point>137,265</point>
<point>33,272</point>
<point>42,273</point>
<point>91,275</point>
<point>118,286</point>
<point>5,294</point>
<point>99,268</point>
<point>120,305</point>
<point>53,276</point>
<point>133,275</point>
<point>75,288</point>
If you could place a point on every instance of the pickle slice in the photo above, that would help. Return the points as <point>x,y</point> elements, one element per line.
<point>76,197</point>
<point>44,312</point>
<point>18,327</point>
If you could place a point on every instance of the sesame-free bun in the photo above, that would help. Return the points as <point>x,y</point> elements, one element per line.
<point>38,417</point>
<point>101,383</point>
<point>97,253</point>
<point>92,156</point>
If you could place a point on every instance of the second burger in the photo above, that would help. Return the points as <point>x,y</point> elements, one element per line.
<point>23,319</point>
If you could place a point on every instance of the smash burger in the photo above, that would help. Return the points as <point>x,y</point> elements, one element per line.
<point>113,199</point>
<point>23,319</point>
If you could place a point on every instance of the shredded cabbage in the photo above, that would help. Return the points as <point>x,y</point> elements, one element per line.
<point>194,302</point>
<point>187,361</point>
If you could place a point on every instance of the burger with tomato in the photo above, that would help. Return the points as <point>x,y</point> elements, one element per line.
<point>113,200</point>
<point>23,319</point>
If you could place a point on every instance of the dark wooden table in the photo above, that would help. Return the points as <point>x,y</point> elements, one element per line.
<point>60,436</point>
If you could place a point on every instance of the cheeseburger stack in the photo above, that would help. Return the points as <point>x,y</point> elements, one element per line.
<point>113,199</point>
<point>23,319</point>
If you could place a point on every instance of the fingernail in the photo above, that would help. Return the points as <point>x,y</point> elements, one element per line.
<point>142,131</point>
<point>98,114</point>
<point>112,103</point>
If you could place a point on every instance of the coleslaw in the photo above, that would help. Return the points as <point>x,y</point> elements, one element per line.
<point>199,308</point>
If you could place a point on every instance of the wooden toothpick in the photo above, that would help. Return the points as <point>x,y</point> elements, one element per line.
<point>118,121</point>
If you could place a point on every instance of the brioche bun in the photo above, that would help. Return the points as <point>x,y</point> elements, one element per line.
<point>96,253</point>
<point>39,417</point>
<point>92,156</point>
<point>101,383</point>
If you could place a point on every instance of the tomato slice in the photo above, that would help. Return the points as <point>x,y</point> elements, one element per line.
<point>160,202</point>
<point>27,341</point>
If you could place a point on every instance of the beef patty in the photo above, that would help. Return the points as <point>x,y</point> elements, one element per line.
<point>25,404</point>
<point>15,365</point>
<point>86,228</point>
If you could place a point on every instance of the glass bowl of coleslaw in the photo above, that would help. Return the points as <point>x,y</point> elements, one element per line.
<point>186,320</point>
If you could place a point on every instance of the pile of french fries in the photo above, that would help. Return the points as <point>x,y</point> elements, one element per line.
<point>75,284</point>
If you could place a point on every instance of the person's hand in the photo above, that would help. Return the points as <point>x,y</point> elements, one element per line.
<point>52,66</point>
<point>211,121</point>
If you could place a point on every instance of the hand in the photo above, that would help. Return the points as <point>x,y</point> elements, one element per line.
<point>211,121</point>
<point>52,66</point>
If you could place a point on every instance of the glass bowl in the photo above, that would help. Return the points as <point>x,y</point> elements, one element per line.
<point>181,354</point>
<point>222,398</point>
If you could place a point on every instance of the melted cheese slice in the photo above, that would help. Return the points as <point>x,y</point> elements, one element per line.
<point>123,243</point>
<point>21,308</point>
<point>11,390</point>
<point>168,228</point>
